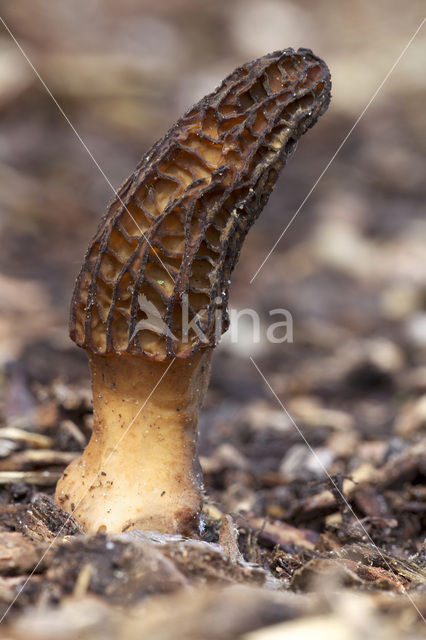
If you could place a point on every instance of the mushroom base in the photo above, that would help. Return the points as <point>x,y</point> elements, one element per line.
<point>140,468</point>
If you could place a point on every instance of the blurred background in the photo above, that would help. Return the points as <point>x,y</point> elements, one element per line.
<point>350,269</point>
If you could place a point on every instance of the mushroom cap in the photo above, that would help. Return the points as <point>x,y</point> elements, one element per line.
<point>156,275</point>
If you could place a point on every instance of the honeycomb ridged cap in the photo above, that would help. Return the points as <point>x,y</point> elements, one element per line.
<point>155,279</point>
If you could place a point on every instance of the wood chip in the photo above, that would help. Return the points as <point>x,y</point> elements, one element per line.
<point>17,553</point>
<point>40,478</point>
<point>28,437</point>
<point>31,458</point>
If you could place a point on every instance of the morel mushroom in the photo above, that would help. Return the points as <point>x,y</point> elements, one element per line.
<point>155,281</point>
